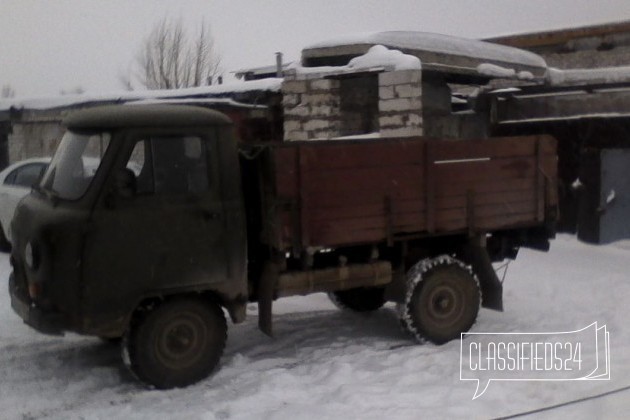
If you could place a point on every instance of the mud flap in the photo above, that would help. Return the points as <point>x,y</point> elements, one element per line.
<point>266,289</point>
<point>491,286</point>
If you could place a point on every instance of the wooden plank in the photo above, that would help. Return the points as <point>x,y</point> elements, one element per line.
<point>482,199</point>
<point>318,213</point>
<point>343,189</point>
<point>383,179</point>
<point>489,186</point>
<point>363,154</point>
<point>479,172</point>
<point>304,203</point>
<point>286,172</point>
<point>498,147</point>
<point>415,222</point>
<point>349,198</point>
<point>488,224</point>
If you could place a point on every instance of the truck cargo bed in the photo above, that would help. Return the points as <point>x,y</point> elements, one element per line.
<point>338,193</point>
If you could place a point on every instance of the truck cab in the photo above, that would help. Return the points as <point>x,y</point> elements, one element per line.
<point>139,203</point>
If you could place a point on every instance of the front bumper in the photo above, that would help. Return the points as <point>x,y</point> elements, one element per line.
<point>47,322</point>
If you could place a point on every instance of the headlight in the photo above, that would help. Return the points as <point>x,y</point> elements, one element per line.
<point>29,256</point>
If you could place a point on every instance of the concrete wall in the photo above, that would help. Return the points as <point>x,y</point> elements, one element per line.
<point>606,45</point>
<point>589,59</point>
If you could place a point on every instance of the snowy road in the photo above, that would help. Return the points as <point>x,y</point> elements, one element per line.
<point>325,363</point>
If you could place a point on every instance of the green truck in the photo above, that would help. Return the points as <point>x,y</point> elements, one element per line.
<point>152,221</point>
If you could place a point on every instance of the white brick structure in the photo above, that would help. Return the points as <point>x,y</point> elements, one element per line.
<point>314,105</point>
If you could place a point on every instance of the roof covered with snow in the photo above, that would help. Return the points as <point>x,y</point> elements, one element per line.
<point>217,91</point>
<point>454,56</point>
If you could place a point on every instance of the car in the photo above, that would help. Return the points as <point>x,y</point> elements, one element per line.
<point>15,182</point>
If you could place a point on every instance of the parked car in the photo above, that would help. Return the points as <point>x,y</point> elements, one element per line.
<point>15,182</point>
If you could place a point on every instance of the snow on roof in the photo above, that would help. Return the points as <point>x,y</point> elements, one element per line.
<point>257,71</point>
<point>377,57</point>
<point>438,43</point>
<point>197,101</point>
<point>269,85</point>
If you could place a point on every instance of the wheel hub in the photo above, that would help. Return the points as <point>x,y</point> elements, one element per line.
<point>180,342</point>
<point>179,339</point>
<point>443,302</point>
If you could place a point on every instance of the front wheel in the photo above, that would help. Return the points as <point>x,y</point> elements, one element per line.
<point>442,300</point>
<point>176,343</point>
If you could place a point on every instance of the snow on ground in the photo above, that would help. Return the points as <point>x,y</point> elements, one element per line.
<point>328,364</point>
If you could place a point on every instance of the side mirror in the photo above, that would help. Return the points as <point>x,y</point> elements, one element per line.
<point>125,183</point>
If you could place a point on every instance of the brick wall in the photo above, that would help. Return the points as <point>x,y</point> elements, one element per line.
<point>400,103</point>
<point>313,106</point>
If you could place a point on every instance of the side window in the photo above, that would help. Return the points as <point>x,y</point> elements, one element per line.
<point>170,165</point>
<point>25,176</point>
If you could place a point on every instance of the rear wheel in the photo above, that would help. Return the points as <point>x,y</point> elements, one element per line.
<point>442,300</point>
<point>176,343</point>
<point>361,299</point>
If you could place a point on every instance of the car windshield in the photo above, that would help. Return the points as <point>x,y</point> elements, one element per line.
<point>76,161</point>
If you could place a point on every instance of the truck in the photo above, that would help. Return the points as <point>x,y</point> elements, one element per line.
<point>152,222</point>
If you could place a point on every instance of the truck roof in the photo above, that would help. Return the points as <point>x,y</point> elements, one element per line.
<point>114,116</point>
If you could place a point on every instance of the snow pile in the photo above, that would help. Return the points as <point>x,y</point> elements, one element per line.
<point>603,75</point>
<point>494,71</point>
<point>380,56</point>
<point>329,364</point>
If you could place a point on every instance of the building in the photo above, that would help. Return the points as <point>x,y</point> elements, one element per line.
<point>573,84</point>
<point>32,127</point>
<point>587,109</point>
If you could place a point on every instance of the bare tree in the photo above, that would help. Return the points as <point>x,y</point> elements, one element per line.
<point>7,91</point>
<point>169,58</point>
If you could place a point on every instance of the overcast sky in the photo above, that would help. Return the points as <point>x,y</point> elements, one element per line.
<point>51,45</point>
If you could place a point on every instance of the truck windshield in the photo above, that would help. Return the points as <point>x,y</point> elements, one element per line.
<point>76,161</point>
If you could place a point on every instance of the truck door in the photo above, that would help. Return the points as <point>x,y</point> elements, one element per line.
<point>160,227</point>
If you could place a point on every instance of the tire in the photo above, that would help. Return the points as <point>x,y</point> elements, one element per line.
<point>442,300</point>
<point>361,299</point>
<point>5,245</point>
<point>176,343</point>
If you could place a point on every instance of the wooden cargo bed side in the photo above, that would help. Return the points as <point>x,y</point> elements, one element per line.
<point>332,193</point>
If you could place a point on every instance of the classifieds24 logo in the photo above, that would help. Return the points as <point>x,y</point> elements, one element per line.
<point>559,356</point>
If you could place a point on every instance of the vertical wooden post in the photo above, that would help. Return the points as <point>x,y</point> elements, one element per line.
<point>470,212</point>
<point>429,169</point>
<point>304,197</point>
<point>389,223</point>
